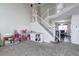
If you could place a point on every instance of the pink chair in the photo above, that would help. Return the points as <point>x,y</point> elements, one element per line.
<point>28,36</point>
<point>25,35</point>
<point>16,36</point>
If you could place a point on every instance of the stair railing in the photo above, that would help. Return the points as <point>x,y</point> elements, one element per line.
<point>39,19</point>
<point>48,12</point>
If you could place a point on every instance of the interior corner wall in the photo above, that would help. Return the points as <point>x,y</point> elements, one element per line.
<point>14,16</point>
<point>75,29</point>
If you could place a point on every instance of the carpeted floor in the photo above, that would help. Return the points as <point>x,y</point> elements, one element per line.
<point>30,48</point>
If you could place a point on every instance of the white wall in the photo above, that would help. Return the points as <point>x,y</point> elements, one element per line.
<point>75,29</point>
<point>14,16</point>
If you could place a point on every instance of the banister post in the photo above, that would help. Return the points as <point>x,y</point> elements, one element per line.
<point>48,12</point>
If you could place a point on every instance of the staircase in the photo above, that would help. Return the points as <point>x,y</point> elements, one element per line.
<point>46,25</point>
<point>42,26</point>
<point>42,20</point>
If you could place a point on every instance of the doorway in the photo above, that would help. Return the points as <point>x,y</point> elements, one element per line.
<point>62,31</point>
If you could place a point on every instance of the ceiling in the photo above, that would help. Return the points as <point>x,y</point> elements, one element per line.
<point>67,14</point>
<point>43,4</point>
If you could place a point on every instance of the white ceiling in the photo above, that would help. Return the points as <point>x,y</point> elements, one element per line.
<point>43,4</point>
<point>67,14</point>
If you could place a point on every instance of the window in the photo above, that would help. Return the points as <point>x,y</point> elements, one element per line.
<point>62,27</point>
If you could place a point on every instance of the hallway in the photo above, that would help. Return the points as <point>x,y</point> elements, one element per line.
<point>30,48</point>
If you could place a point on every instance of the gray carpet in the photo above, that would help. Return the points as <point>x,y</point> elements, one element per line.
<point>30,48</point>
